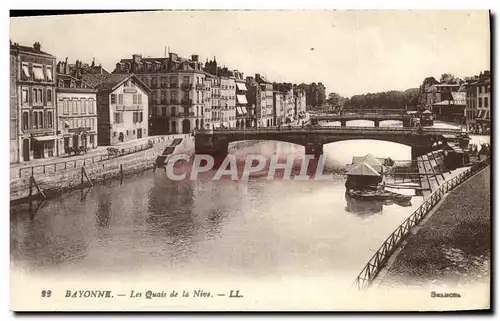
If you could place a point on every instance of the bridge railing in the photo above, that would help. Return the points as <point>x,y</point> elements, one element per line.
<point>379,259</point>
<point>339,129</point>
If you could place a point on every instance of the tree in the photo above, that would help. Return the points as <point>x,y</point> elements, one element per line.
<point>447,78</point>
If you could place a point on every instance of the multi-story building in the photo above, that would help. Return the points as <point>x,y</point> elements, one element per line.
<point>76,111</point>
<point>300,102</point>
<point>207,102</point>
<point>243,116</point>
<point>122,107</point>
<point>279,103</point>
<point>260,97</point>
<point>289,99</point>
<point>177,90</point>
<point>228,101</point>
<point>35,84</point>
<point>451,108</point>
<point>14,112</point>
<point>216,110</point>
<point>478,98</point>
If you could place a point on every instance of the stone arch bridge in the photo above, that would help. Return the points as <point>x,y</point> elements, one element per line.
<point>216,142</point>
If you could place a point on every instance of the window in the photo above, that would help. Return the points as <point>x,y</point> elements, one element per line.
<point>485,101</point>
<point>133,132</point>
<point>154,82</point>
<point>84,106</point>
<point>49,96</point>
<point>172,111</point>
<point>35,119</point>
<point>38,73</point>
<point>140,117</point>
<point>114,134</point>
<point>25,96</point>
<point>113,98</point>
<point>126,132</point>
<point>49,119</point>
<point>65,107</point>
<point>185,80</point>
<point>85,122</point>
<point>35,96</point>
<point>163,81</point>
<point>118,118</point>
<point>480,102</point>
<point>26,71</point>
<point>134,117</point>
<point>92,140</point>
<point>139,99</point>
<point>49,73</point>
<point>120,99</point>
<point>134,99</point>
<point>25,120</point>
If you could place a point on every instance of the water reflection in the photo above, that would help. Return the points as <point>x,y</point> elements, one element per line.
<point>363,207</point>
<point>103,209</point>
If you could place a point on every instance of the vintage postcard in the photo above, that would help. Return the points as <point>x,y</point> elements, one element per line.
<point>250,161</point>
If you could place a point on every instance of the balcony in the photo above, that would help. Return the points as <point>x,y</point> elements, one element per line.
<point>200,86</point>
<point>186,102</point>
<point>35,131</point>
<point>187,86</point>
<point>184,115</point>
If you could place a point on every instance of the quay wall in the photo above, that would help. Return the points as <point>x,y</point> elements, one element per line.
<point>66,180</point>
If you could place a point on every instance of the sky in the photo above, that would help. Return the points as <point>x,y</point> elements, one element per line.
<point>350,52</point>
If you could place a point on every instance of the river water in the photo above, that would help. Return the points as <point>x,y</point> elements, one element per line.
<point>255,228</point>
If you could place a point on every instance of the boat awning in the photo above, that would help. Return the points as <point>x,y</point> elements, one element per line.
<point>241,86</point>
<point>362,169</point>
<point>45,138</point>
<point>241,99</point>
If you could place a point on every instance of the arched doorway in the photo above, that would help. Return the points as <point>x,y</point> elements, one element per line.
<point>197,122</point>
<point>268,123</point>
<point>120,137</point>
<point>173,127</point>
<point>26,150</point>
<point>186,126</point>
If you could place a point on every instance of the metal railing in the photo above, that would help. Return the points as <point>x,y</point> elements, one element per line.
<point>378,260</point>
<point>340,129</point>
<point>79,162</point>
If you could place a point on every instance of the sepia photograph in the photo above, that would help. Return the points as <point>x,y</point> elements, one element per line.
<point>250,160</point>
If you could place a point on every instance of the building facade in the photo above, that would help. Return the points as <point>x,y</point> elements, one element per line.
<point>14,113</point>
<point>300,103</point>
<point>76,114</point>
<point>35,95</point>
<point>177,91</point>
<point>228,101</point>
<point>122,107</point>
<point>478,100</point>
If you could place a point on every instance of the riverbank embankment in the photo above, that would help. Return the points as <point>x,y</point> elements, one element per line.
<point>87,174</point>
<point>451,248</point>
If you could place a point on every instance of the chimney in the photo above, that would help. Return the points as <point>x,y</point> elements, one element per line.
<point>93,62</point>
<point>194,58</point>
<point>66,66</point>
<point>37,46</point>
